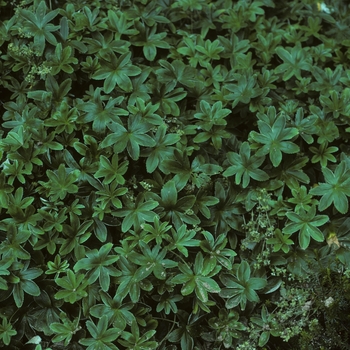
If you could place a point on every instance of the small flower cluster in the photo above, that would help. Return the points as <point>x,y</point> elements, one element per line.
<point>292,314</point>
<point>146,185</point>
<point>19,6</point>
<point>41,70</point>
<point>24,34</point>
<point>259,227</point>
<point>175,125</point>
<point>22,50</point>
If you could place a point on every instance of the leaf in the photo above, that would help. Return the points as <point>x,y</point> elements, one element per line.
<point>280,241</point>
<point>6,331</point>
<point>112,170</point>
<point>161,150</point>
<point>97,263</point>
<point>116,71</point>
<point>245,167</point>
<point>274,138</point>
<point>294,60</point>
<point>131,138</point>
<point>73,285</point>
<point>307,224</point>
<point>102,336</point>
<point>149,40</point>
<point>60,183</point>
<point>241,287</point>
<point>182,238</point>
<point>243,91</point>
<point>335,190</point>
<point>137,213</point>
<point>38,24</point>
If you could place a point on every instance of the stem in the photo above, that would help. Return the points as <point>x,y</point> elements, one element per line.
<point>171,329</point>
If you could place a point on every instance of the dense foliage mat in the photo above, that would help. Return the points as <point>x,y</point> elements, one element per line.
<point>174,174</point>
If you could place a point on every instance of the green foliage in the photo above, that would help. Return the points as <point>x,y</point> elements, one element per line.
<point>133,340</point>
<point>117,312</point>
<point>136,212</point>
<point>112,171</point>
<point>182,238</point>
<point>174,174</point>
<point>97,264</point>
<point>22,282</point>
<point>64,331</point>
<point>6,331</point>
<point>335,189</point>
<point>245,167</point>
<point>306,223</point>
<point>294,60</point>
<point>227,326</point>
<point>74,287</point>
<point>102,336</point>
<point>131,138</point>
<point>241,287</point>
<point>198,280</point>
<point>116,71</point>
<point>280,241</point>
<point>273,136</point>
<point>37,26</point>
<point>60,183</point>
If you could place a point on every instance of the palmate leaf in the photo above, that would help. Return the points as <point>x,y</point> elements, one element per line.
<point>105,44</point>
<point>291,172</point>
<point>116,71</point>
<point>162,149</point>
<point>335,190</point>
<point>141,90</point>
<point>60,182</point>
<point>216,251</point>
<point>302,199</point>
<point>177,71</point>
<point>178,211</point>
<point>133,340</point>
<point>131,138</point>
<point>12,246</point>
<point>152,259</point>
<point>211,115</point>
<point>280,241</point>
<point>112,170</point>
<point>102,336</point>
<point>149,39</point>
<point>306,126</point>
<point>119,23</point>
<point>62,60</point>
<point>182,238</point>
<point>196,280</point>
<point>245,167</point>
<point>274,138</point>
<point>241,287</point>
<point>6,331</point>
<point>203,201</point>
<point>137,213</point>
<point>74,287</point>
<point>132,279</point>
<point>117,311</point>
<point>97,263</point>
<point>38,24</point>
<point>323,154</point>
<point>64,331</point>
<point>24,284</point>
<point>167,96</point>
<point>243,91</point>
<point>294,60</point>
<point>307,224</point>
<point>102,114</point>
